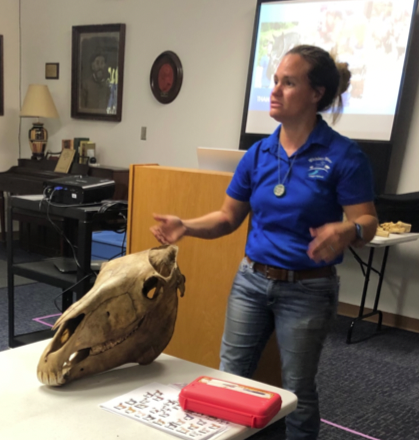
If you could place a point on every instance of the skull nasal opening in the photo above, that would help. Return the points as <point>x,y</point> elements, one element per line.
<point>65,332</point>
<point>150,287</point>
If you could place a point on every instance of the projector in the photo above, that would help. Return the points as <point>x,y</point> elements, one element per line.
<point>78,190</point>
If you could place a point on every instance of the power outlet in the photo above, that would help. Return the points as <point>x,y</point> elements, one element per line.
<point>143,133</point>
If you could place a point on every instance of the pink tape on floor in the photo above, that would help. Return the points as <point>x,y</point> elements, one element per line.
<point>40,319</point>
<point>349,430</point>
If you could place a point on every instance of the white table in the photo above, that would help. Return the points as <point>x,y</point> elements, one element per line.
<point>31,410</point>
<point>376,242</point>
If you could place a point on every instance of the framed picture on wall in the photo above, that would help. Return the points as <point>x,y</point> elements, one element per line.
<point>1,78</point>
<point>52,70</point>
<point>166,77</point>
<point>97,72</point>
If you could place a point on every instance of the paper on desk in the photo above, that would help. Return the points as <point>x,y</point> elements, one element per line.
<point>158,406</point>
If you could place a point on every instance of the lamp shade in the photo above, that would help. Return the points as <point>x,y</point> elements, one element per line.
<point>38,103</point>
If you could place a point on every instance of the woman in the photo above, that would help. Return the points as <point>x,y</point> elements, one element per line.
<point>297,183</point>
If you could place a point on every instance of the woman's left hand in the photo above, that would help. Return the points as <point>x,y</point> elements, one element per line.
<point>330,240</point>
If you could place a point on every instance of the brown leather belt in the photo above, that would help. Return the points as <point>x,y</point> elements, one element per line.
<point>279,274</point>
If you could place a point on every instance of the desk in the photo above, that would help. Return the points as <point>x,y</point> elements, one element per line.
<point>77,218</point>
<point>29,175</point>
<point>377,242</point>
<point>29,409</point>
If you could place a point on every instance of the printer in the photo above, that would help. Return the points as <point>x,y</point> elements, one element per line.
<point>78,190</point>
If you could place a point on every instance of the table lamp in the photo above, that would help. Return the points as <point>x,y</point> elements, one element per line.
<point>38,103</point>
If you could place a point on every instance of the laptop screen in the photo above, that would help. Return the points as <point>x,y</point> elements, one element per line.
<point>218,159</point>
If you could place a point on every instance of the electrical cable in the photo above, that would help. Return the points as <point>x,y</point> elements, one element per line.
<point>113,205</point>
<point>108,206</point>
<point>122,252</point>
<point>69,289</point>
<point>59,230</point>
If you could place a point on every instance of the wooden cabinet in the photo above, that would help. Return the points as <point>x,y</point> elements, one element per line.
<point>208,265</point>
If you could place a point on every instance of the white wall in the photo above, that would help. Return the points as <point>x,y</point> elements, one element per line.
<point>9,123</point>
<point>212,39</point>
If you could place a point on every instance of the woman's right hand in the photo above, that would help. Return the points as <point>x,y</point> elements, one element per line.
<point>169,230</point>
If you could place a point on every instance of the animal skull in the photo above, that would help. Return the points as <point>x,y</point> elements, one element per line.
<point>128,316</point>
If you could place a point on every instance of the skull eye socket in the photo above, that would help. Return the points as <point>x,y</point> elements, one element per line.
<point>150,288</point>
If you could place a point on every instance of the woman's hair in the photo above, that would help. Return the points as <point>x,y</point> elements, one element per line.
<point>325,72</point>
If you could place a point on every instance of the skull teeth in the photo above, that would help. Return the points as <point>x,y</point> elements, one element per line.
<point>51,379</point>
<point>101,348</point>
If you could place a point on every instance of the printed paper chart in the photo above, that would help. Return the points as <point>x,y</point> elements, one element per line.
<point>157,405</point>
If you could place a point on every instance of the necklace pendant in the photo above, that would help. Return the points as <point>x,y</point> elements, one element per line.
<point>279,190</point>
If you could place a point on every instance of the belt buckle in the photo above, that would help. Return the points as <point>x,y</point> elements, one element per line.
<point>266,271</point>
<point>289,275</point>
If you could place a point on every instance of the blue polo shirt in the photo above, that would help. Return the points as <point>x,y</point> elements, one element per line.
<point>329,171</point>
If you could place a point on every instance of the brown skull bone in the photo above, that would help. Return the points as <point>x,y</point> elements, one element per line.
<point>128,316</point>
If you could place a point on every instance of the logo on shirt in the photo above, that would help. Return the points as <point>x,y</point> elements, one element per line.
<point>319,167</point>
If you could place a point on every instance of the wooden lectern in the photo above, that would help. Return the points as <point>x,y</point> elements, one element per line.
<point>208,265</point>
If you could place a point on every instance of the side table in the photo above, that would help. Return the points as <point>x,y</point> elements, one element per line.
<point>79,218</point>
<point>377,242</point>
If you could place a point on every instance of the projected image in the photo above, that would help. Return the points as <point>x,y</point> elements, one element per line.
<point>371,36</point>
<point>277,39</point>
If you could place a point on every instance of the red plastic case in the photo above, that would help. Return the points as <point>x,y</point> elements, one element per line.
<point>230,401</point>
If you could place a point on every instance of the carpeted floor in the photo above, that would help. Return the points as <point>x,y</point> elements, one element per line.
<point>32,299</point>
<point>371,387</point>
<point>368,390</point>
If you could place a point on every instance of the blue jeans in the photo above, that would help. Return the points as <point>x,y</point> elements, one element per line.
<point>301,314</point>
